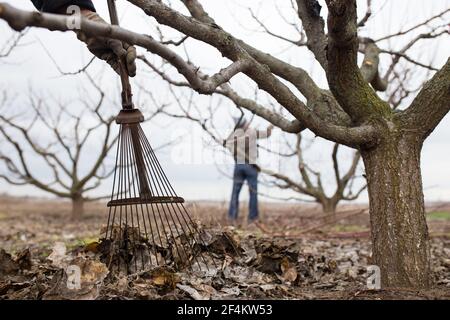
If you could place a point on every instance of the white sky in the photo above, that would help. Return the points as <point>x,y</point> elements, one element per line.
<point>29,66</point>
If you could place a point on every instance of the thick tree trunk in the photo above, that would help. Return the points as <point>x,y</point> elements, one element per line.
<point>329,206</point>
<point>77,207</point>
<point>397,214</point>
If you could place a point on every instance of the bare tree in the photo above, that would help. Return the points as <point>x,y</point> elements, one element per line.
<point>57,135</point>
<point>397,85</point>
<point>310,182</point>
<point>350,113</point>
<point>309,185</point>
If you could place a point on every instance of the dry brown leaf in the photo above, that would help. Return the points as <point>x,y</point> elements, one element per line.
<point>162,277</point>
<point>289,271</point>
<point>92,247</point>
<point>7,264</point>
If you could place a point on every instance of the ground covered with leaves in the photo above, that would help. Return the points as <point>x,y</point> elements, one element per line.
<point>40,249</point>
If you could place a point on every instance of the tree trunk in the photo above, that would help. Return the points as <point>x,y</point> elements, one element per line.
<point>77,207</point>
<point>329,208</point>
<point>397,214</point>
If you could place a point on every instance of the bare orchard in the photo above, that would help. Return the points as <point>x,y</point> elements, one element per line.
<point>306,256</point>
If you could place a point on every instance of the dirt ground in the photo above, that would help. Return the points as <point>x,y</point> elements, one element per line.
<point>298,253</point>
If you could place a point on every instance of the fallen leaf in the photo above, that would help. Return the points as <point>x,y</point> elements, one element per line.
<point>58,256</point>
<point>267,287</point>
<point>289,272</point>
<point>162,277</point>
<point>23,259</point>
<point>92,247</point>
<point>192,292</point>
<point>92,275</point>
<point>234,291</point>
<point>7,264</point>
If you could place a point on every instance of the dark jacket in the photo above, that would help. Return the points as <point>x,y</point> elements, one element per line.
<point>53,5</point>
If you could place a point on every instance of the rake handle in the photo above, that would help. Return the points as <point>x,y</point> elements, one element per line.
<point>127,102</point>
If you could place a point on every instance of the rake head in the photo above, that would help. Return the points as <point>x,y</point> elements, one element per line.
<point>148,224</point>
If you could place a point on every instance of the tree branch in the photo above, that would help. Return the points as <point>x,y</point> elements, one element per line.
<point>19,19</point>
<point>230,48</point>
<point>11,44</point>
<point>431,104</point>
<point>212,35</point>
<point>321,102</point>
<point>368,14</point>
<point>346,82</point>
<point>313,23</point>
<point>370,65</point>
<point>292,126</point>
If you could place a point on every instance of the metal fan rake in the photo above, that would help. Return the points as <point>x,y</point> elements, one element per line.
<point>148,224</point>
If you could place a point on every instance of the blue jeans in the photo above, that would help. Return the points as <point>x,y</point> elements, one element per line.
<point>244,172</point>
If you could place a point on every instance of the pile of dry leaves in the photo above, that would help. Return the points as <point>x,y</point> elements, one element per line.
<point>236,266</point>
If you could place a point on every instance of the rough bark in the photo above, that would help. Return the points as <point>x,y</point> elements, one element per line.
<point>313,23</point>
<point>397,214</point>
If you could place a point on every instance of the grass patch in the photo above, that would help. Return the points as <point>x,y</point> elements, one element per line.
<point>81,242</point>
<point>439,215</point>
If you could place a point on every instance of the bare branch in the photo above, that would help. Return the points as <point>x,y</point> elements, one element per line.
<point>397,55</point>
<point>401,33</point>
<point>297,76</point>
<point>19,19</point>
<point>214,36</point>
<point>370,65</point>
<point>313,23</point>
<point>431,104</point>
<point>11,44</point>
<point>408,58</point>
<point>226,90</point>
<point>368,14</point>
<point>65,73</point>
<point>346,82</point>
<point>301,42</point>
<point>230,47</point>
<point>68,181</point>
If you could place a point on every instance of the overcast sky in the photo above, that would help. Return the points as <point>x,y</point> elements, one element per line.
<point>30,66</point>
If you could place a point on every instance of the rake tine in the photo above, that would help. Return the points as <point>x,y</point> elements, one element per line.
<point>142,212</point>
<point>171,191</point>
<point>154,164</point>
<point>132,181</point>
<point>158,193</point>
<point>119,196</point>
<point>112,194</point>
<point>160,183</point>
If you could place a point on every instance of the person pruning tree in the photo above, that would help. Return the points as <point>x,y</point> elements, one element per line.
<point>243,145</point>
<point>103,48</point>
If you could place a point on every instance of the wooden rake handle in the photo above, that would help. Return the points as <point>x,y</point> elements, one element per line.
<point>127,102</point>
